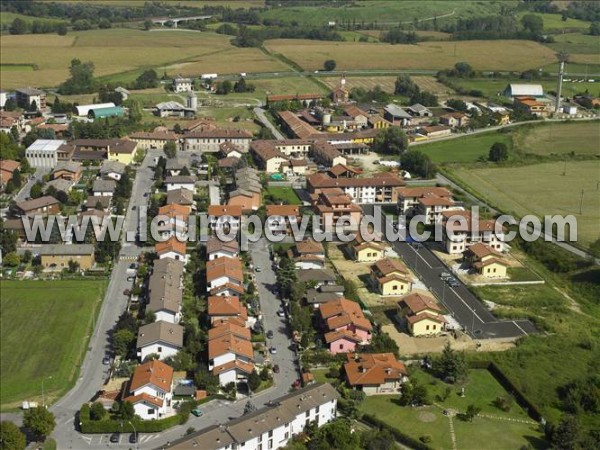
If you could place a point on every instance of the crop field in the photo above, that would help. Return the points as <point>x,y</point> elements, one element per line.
<point>482,55</point>
<point>234,4</point>
<point>575,43</point>
<point>542,189</point>
<point>44,331</point>
<point>287,85</point>
<point>577,138</point>
<point>386,83</point>
<point>119,51</point>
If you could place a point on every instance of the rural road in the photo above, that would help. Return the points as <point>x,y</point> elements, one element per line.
<point>262,117</point>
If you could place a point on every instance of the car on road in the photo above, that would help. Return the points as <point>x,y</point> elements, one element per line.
<point>258,269</point>
<point>280,313</point>
<point>126,292</point>
<point>145,194</point>
<point>133,208</point>
<point>133,266</point>
<point>133,438</point>
<point>132,278</point>
<point>453,282</point>
<point>197,412</point>
<point>106,360</point>
<point>115,438</point>
<point>270,334</point>
<point>276,368</point>
<point>445,275</point>
<point>273,350</point>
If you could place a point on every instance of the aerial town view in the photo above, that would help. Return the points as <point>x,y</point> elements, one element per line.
<point>300,224</point>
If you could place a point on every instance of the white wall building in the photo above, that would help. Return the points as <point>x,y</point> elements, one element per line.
<point>43,153</point>
<point>84,110</point>
<point>162,338</point>
<point>151,390</point>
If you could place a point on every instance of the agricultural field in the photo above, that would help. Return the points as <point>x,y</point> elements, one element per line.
<point>45,329</point>
<point>234,4</point>
<point>575,43</point>
<point>578,138</point>
<point>386,83</point>
<point>128,51</point>
<point>511,429</point>
<point>554,22</point>
<point>482,55</point>
<point>287,85</point>
<point>542,189</point>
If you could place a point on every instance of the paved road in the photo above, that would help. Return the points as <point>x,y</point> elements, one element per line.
<point>463,305</point>
<point>262,117</point>
<point>23,194</point>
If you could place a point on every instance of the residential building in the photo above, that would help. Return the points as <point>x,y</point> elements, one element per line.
<point>43,153</point>
<point>153,140</point>
<point>533,106</point>
<point>174,220</point>
<point>345,325</point>
<point>181,196</point>
<point>57,256</point>
<point>42,206</point>
<point>225,272</point>
<point>59,185</point>
<point>113,170</point>
<point>336,209</point>
<point>365,251</point>
<point>122,150</point>
<point>226,349</point>
<point>231,150</point>
<point>422,315</point>
<point>271,427</point>
<point>327,154</point>
<point>390,277</point>
<point>380,188</point>
<point>99,203</point>
<point>171,248</point>
<point>26,96</point>
<point>7,168</point>
<point>225,217</point>
<point>318,277</point>
<point>486,261</point>
<point>67,170</point>
<point>308,254</point>
<point>323,294</point>
<point>378,123</point>
<point>282,218</point>
<point>513,90</point>
<point>455,119</point>
<point>360,117</point>
<point>216,248</point>
<point>161,338</point>
<point>150,390</point>
<point>181,84</point>
<point>228,289</point>
<point>396,115</point>
<point>435,131</point>
<point>165,290</point>
<point>375,373</point>
<point>210,139</point>
<point>174,166</point>
<point>408,197</point>
<point>225,308</point>
<point>173,109</point>
<point>9,119</point>
<point>180,182</point>
<point>104,188</point>
<point>460,230</point>
<point>267,157</point>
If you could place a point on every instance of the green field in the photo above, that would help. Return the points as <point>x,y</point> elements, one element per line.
<point>481,389</point>
<point>464,149</point>
<point>554,22</point>
<point>283,194</point>
<point>542,189</point>
<point>44,329</point>
<point>575,43</point>
<point>8,17</point>
<point>573,138</point>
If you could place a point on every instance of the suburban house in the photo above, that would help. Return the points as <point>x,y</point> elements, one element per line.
<point>228,289</point>
<point>161,338</point>
<point>375,373</point>
<point>171,248</point>
<point>281,218</point>
<point>268,157</point>
<point>122,150</point>
<point>57,256</point>
<point>230,150</point>
<point>248,190</point>
<point>181,84</point>
<point>381,187</point>
<point>271,427</point>
<point>323,294</point>
<point>223,271</point>
<point>174,220</point>
<point>486,261</point>
<point>25,97</point>
<point>533,106</point>
<point>59,185</point>
<point>181,196</point>
<point>42,206</point>
<point>210,139</point>
<point>165,290</point>
<point>460,230</point>
<point>224,308</point>
<point>150,390</point>
<point>216,248</point>
<point>180,182</point>
<point>174,166</point>
<point>433,131</point>
<point>153,140</point>
<point>113,170</point>
<point>408,197</point>
<point>225,217</point>
<point>104,188</point>
<point>365,251</point>
<point>513,90</point>
<point>334,206</point>
<point>227,349</point>
<point>98,203</point>
<point>422,314</point>
<point>396,115</point>
<point>319,277</point>
<point>43,153</point>
<point>7,168</point>
<point>308,254</point>
<point>67,170</point>
<point>454,119</point>
<point>390,277</point>
<point>345,325</point>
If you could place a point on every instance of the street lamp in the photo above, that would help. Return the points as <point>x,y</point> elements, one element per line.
<point>43,396</point>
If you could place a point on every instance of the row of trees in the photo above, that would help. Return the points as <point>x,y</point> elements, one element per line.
<point>406,87</point>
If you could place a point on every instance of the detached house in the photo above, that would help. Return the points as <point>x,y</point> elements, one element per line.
<point>161,338</point>
<point>171,248</point>
<point>227,349</point>
<point>390,277</point>
<point>455,119</point>
<point>216,248</point>
<point>365,251</point>
<point>104,188</point>
<point>486,261</point>
<point>345,325</point>
<point>375,373</point>
<point>175,221</point>
<point>422,315</point>
<point>225,217</point>
<point>42,206</point>
<point>180,182</point>
<point>281,218</point>
<point>67,170</point>
<point>308,254</point>
<point>150,390</point>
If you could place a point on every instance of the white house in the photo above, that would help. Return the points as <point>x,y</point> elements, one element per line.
<point>216,248</point>
<point>181,84</point>
<point>172,248</point>
<point>222,271</point>
<point>104,188</point>
<point>161,338</point>
<point>180,182</point>
<point>165,289</point>
<point>150,390</point>
<point>210,139</point>
<point>113,170</point>
<point>271,427</point>
<point>43,153</point>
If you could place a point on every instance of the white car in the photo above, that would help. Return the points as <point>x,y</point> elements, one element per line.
<point>280,313</point>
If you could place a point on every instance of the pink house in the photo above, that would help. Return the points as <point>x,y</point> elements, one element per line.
<point>346,325</point>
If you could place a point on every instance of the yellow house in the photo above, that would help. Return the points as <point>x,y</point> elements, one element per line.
<point>153,140</point>
<point>422,314</point>
<point>486,261</point>
<point>363,251</point>
<point>390,277</point>
<point>393,285</point>
<point>57,256</point>
<point>124,152</point>
<point>378,122</point>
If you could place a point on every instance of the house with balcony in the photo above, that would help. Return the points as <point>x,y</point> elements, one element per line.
<point>460,230</point>
<point>486,261</point>
<point>226,218</point>
<point>227,309</point>
<point>150,390</point>
<point>281,219</point>
<point>422,315</point>
<point>375,373</point>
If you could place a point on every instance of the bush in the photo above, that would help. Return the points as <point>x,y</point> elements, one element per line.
<point>398,435</point>
<point>425,439</point>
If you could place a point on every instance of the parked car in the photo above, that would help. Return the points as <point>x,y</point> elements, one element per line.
<point>106,360</point>
<point>132,278</point>
<point>133,438</point>
<point>197,412</point>
<point>270,334</point>
<point>276,368</point>
<point>273,350</point>
<point>453,282</point>
<point>445,275</point>
<point>258,269</point>
<point>280,313</point>
<point>115,438</point>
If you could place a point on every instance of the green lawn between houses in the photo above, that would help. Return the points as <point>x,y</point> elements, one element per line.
<point>502,431</point>
<point>283,194</point>
<point>44,329</point>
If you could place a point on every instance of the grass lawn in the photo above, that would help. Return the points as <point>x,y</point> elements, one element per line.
<point>45,327</point>
<point>577,138</point>
<point>575,43</point>
<point>482,55</point>
<point>555,22</point>
<point>481,389</point>
<point>542,189</point>
<point>284,194</point>
<point>463,149</point>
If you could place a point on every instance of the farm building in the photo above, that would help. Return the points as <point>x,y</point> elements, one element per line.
<point>84,110</point>
<point>396,115</point>
<point>109,111</point>
<point>173,109</point>
<point>523,90</point>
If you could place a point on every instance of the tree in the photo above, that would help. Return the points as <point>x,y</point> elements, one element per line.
<point>498,152</point>
<point>418,163</point>
<point>457,105</point>
<point>382,343</point>
<point>18,26</point>
<point>377,440</point>
<point>254,381</point>
<point>36,190</point>
<point>464,70</point>
<point>73,266</point>
<point>414,393</point>
<point>329,65</point>
<point>135,110</point>
<point>16,178</point>
<point>11,437</point>
<point>391,140</point>
<point>148,24</point>
<point>11,259</point>
<point>471,412</point>
<point>595,29</point>
<point>249,408</point>
<point>27,256</point>
<point>224,88</point>
<point>104,24</point>
<point>40,421</point>
<point>177,129</point>
<point>126,411</point>
<point>62,30</point>
<point>121,341</point>
<point>405,86</point>
<point>97,411</point>
<point>565,435</point>
<point>81,80</point>
<point>148,79</point>
<point>451,366</point>
<point>170,149</point>
<point>533,23</point>
<point>10,105</point>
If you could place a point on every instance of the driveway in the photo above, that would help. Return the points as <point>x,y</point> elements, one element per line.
<point>262,118</point>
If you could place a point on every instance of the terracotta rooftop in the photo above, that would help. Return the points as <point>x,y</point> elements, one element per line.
<point>373,368</point>
<point>170,245</point>
<point>222,305</point>
<point>388,266</point>
<point>230,344</point>
<point>155,372</point>
<point>417,303</point>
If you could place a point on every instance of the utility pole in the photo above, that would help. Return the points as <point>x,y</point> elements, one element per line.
<point>581,203</point>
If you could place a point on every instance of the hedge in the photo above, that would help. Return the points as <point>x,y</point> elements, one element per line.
<point>398,435</point>
<point>507,384</point>
<point>141,426</point>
